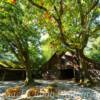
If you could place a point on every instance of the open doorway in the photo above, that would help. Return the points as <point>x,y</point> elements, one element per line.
<point>67,73</point>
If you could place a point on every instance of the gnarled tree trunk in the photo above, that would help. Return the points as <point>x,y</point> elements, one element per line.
<point>28,65</point>
<point>84,68</point>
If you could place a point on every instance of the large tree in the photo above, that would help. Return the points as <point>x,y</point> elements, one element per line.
<point>71,22</point>
<point>18,34</point>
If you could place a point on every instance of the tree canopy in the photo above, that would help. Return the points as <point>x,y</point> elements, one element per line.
<point>33,30</point>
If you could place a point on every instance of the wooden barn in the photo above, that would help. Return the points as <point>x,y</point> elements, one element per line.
<point>11,74</point>
<point>61,66</point>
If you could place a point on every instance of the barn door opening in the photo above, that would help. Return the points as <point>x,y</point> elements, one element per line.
<point>67,73</point>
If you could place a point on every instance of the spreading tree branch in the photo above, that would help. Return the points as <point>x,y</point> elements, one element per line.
<point>41,7</point>
<point>92,7</point>
<point>81,12</point>
<point>58,20</point>
<point>55,8</point>
<point>61,8</point>
<point>96,29</point>
<point>37,5</point>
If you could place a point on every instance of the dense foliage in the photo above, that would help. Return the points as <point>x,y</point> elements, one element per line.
<point>33,30</point>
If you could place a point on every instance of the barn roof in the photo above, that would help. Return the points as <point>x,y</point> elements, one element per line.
<point>60,61</point>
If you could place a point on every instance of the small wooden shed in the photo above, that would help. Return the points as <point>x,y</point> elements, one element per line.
<point>11,74</point>
<point>62,66</point>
